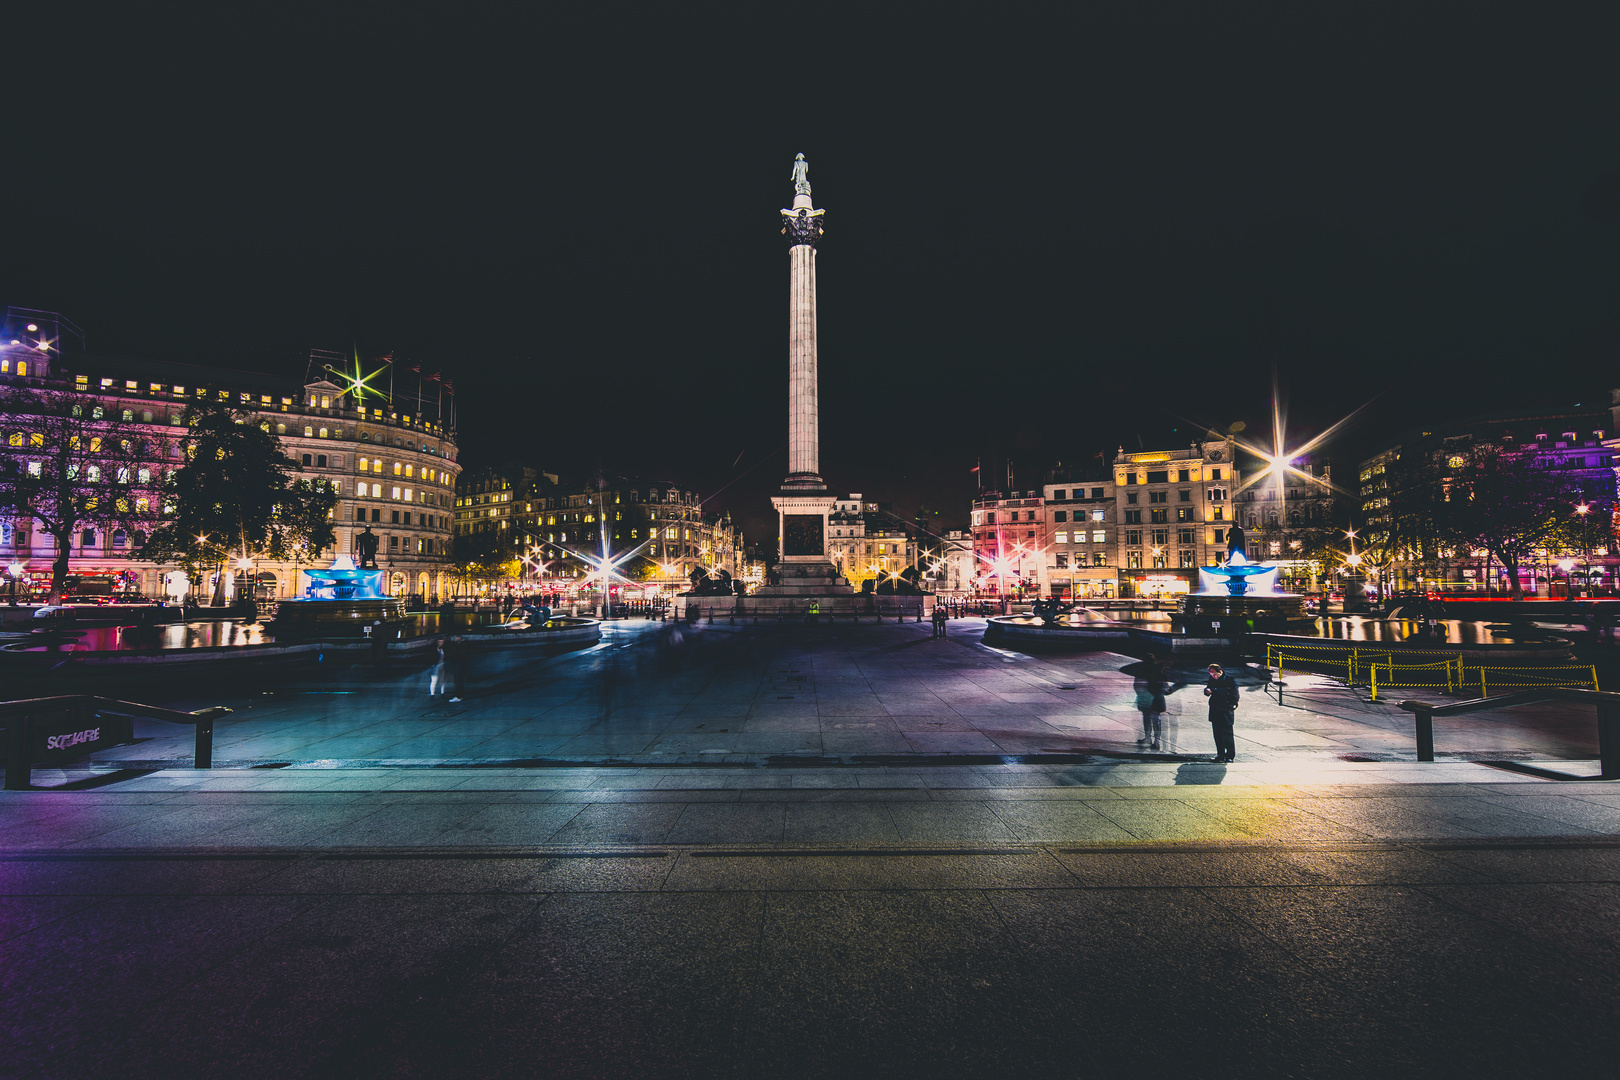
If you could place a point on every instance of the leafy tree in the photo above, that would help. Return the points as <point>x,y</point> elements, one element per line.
<point>1510,504</point>
<point>70,463</point>
<point>484,556</point>
<point>237,496</point>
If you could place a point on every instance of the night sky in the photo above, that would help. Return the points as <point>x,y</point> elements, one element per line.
<point>1048,234</point>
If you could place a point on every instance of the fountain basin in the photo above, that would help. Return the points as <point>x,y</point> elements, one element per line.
<point>339,618</point>
<point>1245,614</point>
<point>112,651</point>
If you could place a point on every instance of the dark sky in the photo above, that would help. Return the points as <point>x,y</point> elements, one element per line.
<point>1049,233</point>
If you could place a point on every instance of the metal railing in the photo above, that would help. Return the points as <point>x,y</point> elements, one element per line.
<point>1608,718</point>
<point>1346,663</point>
<point>1446,674</point>
<point>71,714</point>
<point>1379,671</point>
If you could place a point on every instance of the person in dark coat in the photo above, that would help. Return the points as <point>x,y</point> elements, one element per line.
<point>1223,701</point>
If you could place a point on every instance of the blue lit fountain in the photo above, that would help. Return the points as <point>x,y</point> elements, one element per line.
<point>1239,597</point>
<point>340,600</point>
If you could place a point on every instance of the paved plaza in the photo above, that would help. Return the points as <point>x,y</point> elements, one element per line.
<point>657,694</point>
<point>792,852</point>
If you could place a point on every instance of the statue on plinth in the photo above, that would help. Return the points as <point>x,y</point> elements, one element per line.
<point>1235,542</point>
<point>801,176</point>
<point>365,545</point>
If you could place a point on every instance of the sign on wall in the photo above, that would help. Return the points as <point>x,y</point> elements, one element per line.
<point>62,737</point>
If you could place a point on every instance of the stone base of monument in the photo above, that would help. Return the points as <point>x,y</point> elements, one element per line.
<point>1230,616</point>
<point>809,590</point>
<point>805,580</point>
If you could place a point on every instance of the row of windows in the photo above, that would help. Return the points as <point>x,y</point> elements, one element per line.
<point>1158,517</point>
<point>414,545</point>
<point>90,538</point>
<point>1183,476</point>
<point>426,521</point>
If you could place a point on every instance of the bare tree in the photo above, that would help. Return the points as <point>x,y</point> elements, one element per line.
<point>72,462</point>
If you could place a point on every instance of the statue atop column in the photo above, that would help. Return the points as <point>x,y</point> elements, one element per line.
<point>801,176</point>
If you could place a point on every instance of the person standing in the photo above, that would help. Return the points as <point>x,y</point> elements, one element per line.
<point>1150,700</point>
<point>1223,702</point>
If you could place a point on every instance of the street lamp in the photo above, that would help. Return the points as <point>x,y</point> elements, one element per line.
<point>16,572</point>
<point>1586,549</point>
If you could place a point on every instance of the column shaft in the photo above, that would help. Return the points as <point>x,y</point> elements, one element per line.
<point>803,409</point>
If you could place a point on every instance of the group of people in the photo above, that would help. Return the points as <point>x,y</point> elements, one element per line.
<point>1152,684</point>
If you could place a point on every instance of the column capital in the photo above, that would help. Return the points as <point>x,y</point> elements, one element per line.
<point>802,226</point>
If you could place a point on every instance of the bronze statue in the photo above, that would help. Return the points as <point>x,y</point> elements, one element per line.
<point>1235,541</point>
<point>366,546</point>
<point>801,176</point>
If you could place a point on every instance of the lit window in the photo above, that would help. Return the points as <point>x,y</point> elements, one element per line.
<point>309,432</point>
<point>407,494</point>
<point>22,367</point>
<point>323,433</point>
<point>129,385</point>
<point>1062,538</point>
<point>396,493</point>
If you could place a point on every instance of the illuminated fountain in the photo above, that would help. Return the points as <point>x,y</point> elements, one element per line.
<point>1238,597</point>
<point>341,600</point>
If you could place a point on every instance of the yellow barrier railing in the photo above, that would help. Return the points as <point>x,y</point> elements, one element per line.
<point>1446,673</point>
<point>1489,678</point>
<point>1377,669</point>
<point>1348,663</point>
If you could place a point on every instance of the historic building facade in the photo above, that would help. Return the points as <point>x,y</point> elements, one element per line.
<point>1581,444</point>
<point>394,471</point>
<point>664,525</point>
<point>1010,542</point>
<point>862,544</point>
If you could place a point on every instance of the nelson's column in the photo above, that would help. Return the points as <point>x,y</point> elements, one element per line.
<point>803,505</point>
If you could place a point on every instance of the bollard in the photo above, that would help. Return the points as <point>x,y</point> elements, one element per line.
<point>1425,734</point>
<point>1608,718</point>
<point>202,754</point>
<point>17,778</point>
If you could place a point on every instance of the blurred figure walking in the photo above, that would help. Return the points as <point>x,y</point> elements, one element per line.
<point>1150,700</point>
